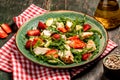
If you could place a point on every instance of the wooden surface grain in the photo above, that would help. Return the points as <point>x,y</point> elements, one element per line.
<point>11,8</point>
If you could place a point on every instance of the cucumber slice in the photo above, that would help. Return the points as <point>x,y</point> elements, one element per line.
<point>49,22</point>
<point>52,61</point>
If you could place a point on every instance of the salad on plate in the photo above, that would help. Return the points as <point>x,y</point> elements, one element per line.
<point>63,41</point>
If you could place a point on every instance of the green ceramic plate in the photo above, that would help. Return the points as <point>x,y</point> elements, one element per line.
<point>20,42</point>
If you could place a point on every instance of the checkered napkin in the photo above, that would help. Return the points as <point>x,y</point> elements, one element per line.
<point>12,61</point>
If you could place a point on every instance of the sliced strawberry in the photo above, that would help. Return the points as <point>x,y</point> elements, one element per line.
<point>73,37</point>
<point>86,27</point>
<point>62,29</point>
<point>32,43</point>
<point>6,28</point>
<point>41,25</point>
<point>33,32</point>
<point>35,40</point>
<point>86,56</point>
<point>56,36</point>
<point>77,44</point>
<point>3,34</point>
<point>52,53</point>
<point>28,44</point>
<point>67,28</point>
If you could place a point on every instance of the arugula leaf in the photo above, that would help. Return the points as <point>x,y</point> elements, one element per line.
<point>58,44</point>
<point>97,32</point>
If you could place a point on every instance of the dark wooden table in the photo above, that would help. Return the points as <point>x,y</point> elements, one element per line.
<point>11,8</point>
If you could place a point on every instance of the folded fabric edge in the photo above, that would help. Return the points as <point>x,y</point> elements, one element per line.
<point>5,55</point>
<point>28,13</point>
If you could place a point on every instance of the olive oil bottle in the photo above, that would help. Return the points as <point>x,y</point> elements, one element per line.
<point>108,13</point>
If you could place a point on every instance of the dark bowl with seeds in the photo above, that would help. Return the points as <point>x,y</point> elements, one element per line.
<point>111,65</point>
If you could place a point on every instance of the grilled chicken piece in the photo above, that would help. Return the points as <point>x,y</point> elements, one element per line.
<point>68,25</point>
<point>86,34</point>
<point>39,50</point>
<point>60,24</point>
<point>66,56</point>
<point>64,37</point>
<point>61,27</point>
<point>46,33</point>
<point>91,45</point>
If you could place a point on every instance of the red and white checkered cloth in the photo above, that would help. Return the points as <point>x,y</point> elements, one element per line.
<point>12,61</point>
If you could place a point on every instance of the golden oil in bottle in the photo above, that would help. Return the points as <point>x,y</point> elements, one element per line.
<point>108,13</point>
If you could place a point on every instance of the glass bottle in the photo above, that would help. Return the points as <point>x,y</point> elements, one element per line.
<point>108,13</point>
